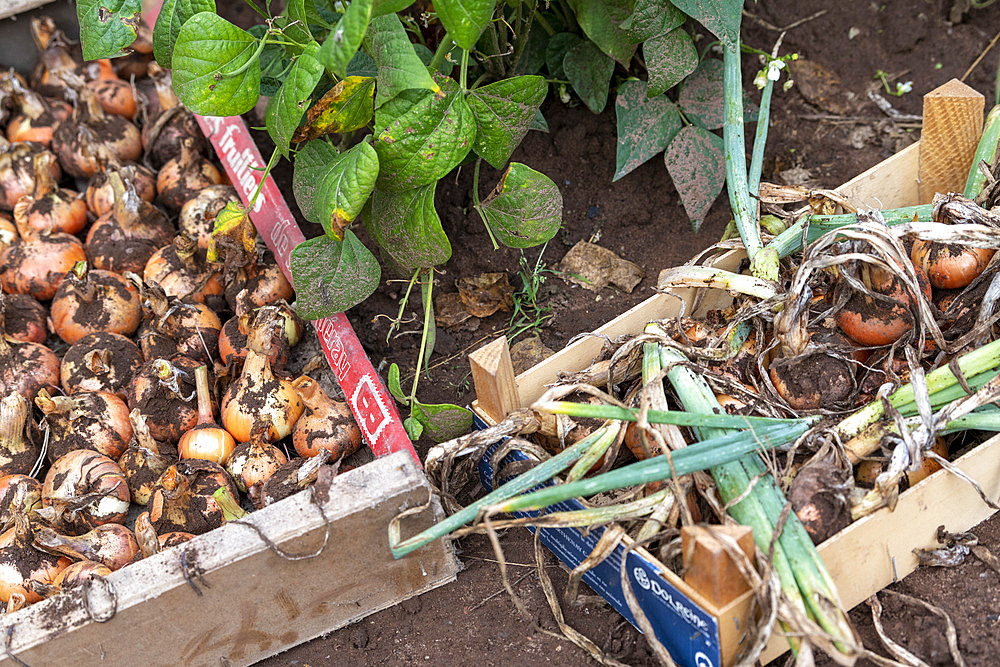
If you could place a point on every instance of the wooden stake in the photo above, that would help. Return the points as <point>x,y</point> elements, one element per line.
<point>708,568</point>
<point>493,376</point>
<point>953,122</point>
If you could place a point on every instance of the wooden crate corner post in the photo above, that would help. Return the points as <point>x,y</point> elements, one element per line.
<point>952,125</point>
<point>493,377</point>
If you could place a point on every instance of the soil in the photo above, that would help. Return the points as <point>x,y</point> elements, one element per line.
<point>824,131</point>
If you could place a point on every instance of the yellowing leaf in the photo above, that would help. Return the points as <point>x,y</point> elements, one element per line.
<point>347,106</point>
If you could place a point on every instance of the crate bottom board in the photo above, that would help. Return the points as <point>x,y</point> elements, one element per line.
<point>227,598</point>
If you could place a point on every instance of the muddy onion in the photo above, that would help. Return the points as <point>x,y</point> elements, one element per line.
<point>253,463</point>
<point>183,177</point>
<point>90,301</point>
<point>21,563</point>
<point>188,329</point>
<point>100,362</point>
<point>950,266</point>
<point>326,423</point>
<point>100,195</point>
<point>164,392</point>
<point>207,440</point>
<point>115,96</point>
<point>812,380</point>
<point>260,285</point>
<point>182,270</point>
<point>182,499</point>
<point>197,217</point>
<point>24,319</point>
<point>18,452</point>
<point>18,494</point>
<point>84,489</point>
<point>294,476</point>
<point>87,420</point>
<point>17,172</point>
<point>150,543</point>
<point>144,460</point>
<point>26,368</point>
<point>36,116</point>
<point>36,266</point>
<point>110,544</point>
<point>124,238</point>
<point>49,208</point>
<point>870,322</point>
<point>258,395</point>
<point>234,341</point>
<point>79,572</point>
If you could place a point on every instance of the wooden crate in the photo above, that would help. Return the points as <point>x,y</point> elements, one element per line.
<point>227,598</point>
<point>884,541</point>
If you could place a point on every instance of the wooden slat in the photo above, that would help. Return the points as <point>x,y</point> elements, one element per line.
<point>252,603</point>
<point>12,7</point>
<point>493,377</point>
<point>952,124</point>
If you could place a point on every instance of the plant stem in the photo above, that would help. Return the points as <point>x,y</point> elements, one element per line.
<point>464,74</point>
<point>402,306</point>
<point>676,417</point>
<point>442,51</point>
<point>476,205</point>
<point>250,61</point>
<point>428,309</point>
<point>545,24</point>
<point>760,140</point>
<point>735,147</point>
<point>790,240</point>
<point>257,9</point>
<point>275,156</point>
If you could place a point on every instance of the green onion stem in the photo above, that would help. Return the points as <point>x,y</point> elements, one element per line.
<point>790,240</point>
<point>593,454</point>
<point>735,150</point>
<point>676,417</point>
<point>760,139</point>
<point>985,152</point>
<point>707,276</point>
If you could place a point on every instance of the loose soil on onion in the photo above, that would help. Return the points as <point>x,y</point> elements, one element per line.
<point>822,134</point>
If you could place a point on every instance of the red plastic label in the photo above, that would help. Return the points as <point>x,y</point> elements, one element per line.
<point>371,404</point>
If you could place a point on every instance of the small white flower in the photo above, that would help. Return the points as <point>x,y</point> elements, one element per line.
<point>774,69</point>
<point>903,88</point>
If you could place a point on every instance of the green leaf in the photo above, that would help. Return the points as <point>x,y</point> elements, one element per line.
<point>397,106</point>
<point>407,227</point>
<point>442,421</point>
<point>394,387</point>
<point>556,50</point>
<point>345,39</point>
<point>414,429</point>
<point>652,18</point>
<point>383,7</point>
<point>399,68</point>
<point>362,65</point>
<point>208,49</point>
<point>330,276</point>
<point>285,110</point>
<point>464,19</point>
<point>504,111</point>
<point>107,27</point>
<point>700,95</point>
<point>533,56</point>
<point>539,123</point>
<point>525,209</point>
<point>600,20</point>
<point>721,17</point>
<point>173,14</point>
<point>589,71</point>
<point>426,142</point>
<point>346,107</point>
<point>670,57</point>
<point>331,188</point>
<point>646,125</point>
<point>696,162</point>
<point>294,23</point>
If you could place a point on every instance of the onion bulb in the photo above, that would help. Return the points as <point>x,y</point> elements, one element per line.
<point>17,172</point>
<point>294,476</point>
<point>49,208</point>
<point>197,217</point>
<point>182,270</point>
<point>258,395</point>
<point>150,543</point>
<point>183,498</point>
<point>326,424</point>
<point>36,265</point>
<point>21,563</point>
<point>124,238</point>
<point>144,460</point>
<point>26,368</point>
<point>110,544</point>
<point>18,451</point>
<point>253,463</point>
<point>173,327</point>
<point>90,301</point>
<point>78,573</point>
<point>183,177</point>
<point>164,392</point>
<point>115,96</point>
<point>25,320</point>
<point>100,196</point>
<point>207,440</point>
<point>87,420</point>
<point>83,142</point>
<point>18,494</point>
<point>100,362</point>
<point>84,489</point>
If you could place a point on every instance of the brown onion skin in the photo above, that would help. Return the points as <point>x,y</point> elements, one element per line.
<point>79,572</point>
<point>888,323</point>
<point>163,137</point>
<point>115,95</point>
<point>257,395</point>
<point>25,319</point>
<point>17,172</point>
<point>182,498</point>
<point>61,210</point>
<point>8,232</point>
<point>99,301</point>
<point>114,245</point>
<point>233,344</point>
<point>38,129</point>
<point>27,368</point>
<point>21,562</point>
<point>19,452</point>
<point>197,216</point>
<point>100,196</point>
<point>168,415</point>
<point>92,139</point>
<point>325,424</point>
<point>110,544</point>
<point>181,178</point>
<point>252,464</point>
<point>192,330</point>
<point>36,266</point>
<point>18,493</point>
<point>185,273</point>
<point>949,267</point>
<point>100,362</point>
<point>87,420</point>
<point>265,285</point>
<point>144,461</point>
<point>79,473</point>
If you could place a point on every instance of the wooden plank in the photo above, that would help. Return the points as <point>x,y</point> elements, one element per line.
<point>953,122</point>
<point>889,184</point>
<point>708,567</point>
<point>493,377</point>
<point>252,603</point>
<point>11,7</point>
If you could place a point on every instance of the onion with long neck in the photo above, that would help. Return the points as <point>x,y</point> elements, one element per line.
<point>326,424</point>
<point>36,116</point>
<point>49,208</point>
<point>110,544</point>
<point>124,238</point>
<point>207,440</point>
<point>78,142</point>
<point>183,498</point>
<point>258,395</point>
<point>163,137</point>
<point>144,460</point>
<point>54,58</point>
<point>184,176</point>
<point>253,463</point>
<point>18,452</point>
<point>100,362</point>
<point>21,563</point>
<point>235,334</point>
<point>91,300</point>
<point>17,171</point>
<point>87,420</point>
<point>84,489</point>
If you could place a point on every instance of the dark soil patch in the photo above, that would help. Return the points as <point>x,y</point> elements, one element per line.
<point>641,219</point>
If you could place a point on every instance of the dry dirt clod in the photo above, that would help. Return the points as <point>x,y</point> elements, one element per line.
<point>593,267</point>
<point>486,293</point>
<point>527,352</point>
